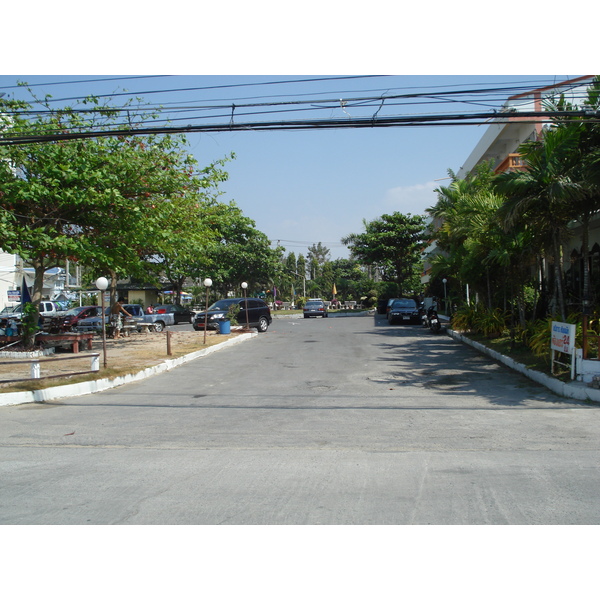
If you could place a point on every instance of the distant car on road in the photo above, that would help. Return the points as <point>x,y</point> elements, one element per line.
<point>259,314</point>
<point>180,313</point>
<point>403,310</point>
<point>315,308</point>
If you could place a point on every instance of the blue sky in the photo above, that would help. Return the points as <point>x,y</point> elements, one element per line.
<point>305,187</point>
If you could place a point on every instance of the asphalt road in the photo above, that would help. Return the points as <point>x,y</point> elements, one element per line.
<point>320,421</point>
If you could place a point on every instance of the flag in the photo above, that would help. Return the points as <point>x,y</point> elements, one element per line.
<point>25,296</point>
<point>334,290</point>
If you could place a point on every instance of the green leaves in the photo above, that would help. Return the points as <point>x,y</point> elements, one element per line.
<point>391,242</point>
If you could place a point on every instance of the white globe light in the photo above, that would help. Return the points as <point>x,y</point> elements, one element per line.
<point>102,283</point>
<point>207,282</point>
<point>244,285</point>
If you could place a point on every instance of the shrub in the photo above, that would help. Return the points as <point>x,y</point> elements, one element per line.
<point>477,319</point>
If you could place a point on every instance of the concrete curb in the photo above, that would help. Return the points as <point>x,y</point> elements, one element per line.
<point>99,385</point>
<point>574,390</point>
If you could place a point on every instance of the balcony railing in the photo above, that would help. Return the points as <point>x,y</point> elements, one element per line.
<point>513,162</point>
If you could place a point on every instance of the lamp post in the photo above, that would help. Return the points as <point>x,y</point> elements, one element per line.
<point>445,281</point>
<point>102,284</point>
<point>207,283</point>
<point>244,287</point>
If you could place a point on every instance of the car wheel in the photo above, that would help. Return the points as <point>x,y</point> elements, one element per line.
<point>263,324</point>
<point>306,316</point>
<point>159,326</point>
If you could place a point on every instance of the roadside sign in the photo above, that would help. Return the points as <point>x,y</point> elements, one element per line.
<point>563,340</point>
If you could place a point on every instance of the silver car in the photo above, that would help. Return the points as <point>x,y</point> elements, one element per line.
<point>315,308</point>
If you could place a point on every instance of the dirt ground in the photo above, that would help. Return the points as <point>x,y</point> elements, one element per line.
<point>125,355</point>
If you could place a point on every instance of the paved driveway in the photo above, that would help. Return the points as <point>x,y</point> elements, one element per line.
<point>326,421</point>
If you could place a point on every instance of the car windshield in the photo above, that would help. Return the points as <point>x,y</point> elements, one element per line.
<point>223,304</point>
<point>404,303</point>
<point>314,304</point>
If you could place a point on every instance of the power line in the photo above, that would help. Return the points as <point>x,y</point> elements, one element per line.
<point>361,122</point>
<point>224,86</point>
<point>48,83</point>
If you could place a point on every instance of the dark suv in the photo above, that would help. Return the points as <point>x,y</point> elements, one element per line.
<point>259,315</point>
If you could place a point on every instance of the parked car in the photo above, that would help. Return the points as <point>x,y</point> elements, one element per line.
<point>403,310</point>
<point>137,316</point>
<point>259,314</point>
<point>70,319</point>
<point>47,311</point>
<point>180,313</point>
<point>315,308</point>
<point>389,305</point>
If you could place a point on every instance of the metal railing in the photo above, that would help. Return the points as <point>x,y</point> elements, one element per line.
<point>36,364</point>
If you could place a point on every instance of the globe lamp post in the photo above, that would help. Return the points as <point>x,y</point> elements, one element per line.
<point>445,281</point>
<point>102,284</point>
<point>244,287</point>
<point>207,283</point>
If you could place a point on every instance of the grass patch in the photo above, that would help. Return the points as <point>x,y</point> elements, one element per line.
<point>521,354</point>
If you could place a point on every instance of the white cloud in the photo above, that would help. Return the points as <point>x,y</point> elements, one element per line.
<point>413,199</point>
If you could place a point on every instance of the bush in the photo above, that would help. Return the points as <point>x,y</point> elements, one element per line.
<point>477,319</point>
<point>232,313</point>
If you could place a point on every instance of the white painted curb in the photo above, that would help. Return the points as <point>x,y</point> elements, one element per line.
<point>574,390</point>
<point>99,385</point>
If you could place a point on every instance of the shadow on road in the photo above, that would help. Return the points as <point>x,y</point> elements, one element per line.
<point>418,357</point>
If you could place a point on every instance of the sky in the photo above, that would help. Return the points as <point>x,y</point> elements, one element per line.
<point>305,187</point>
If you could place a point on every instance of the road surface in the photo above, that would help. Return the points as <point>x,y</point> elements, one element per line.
<point>318,421</point>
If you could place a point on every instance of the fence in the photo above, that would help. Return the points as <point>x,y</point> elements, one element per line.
<point>36,364</point>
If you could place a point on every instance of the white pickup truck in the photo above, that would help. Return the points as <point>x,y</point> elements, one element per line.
<point>160,321</point>
<point>47,309</point>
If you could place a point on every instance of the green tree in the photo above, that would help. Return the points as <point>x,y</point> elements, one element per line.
<point>239,252</point>
<point>393,243</point>
<point>317,256</point>
<point>108,203</point>
<point>542,195</point>
<point>585,168</point>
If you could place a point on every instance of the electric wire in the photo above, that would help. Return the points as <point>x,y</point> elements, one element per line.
<point>133,122</point>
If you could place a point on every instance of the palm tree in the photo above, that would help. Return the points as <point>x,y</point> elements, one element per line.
<point>585,169</point>
<point>544,194</point>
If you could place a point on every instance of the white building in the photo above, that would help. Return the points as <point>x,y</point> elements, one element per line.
<point>12,272</point>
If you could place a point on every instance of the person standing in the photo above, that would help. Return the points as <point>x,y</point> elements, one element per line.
<point>116,321</point>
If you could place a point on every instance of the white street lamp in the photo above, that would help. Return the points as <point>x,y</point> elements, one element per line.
<point>445,281</point>
<point>207,283</point>
<point>244,287</point>
<point>102,284</point>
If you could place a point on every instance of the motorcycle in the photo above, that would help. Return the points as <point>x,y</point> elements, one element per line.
<point>423,315</point>
<point>433,320</point>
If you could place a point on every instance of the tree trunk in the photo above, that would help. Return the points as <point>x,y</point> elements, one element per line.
<point>36,297</point>
<point>113,287</point>
<point>585,252</point>
<point>560,297</point>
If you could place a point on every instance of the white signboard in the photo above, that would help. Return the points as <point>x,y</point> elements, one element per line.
<point>563,337</point>
<point>14,295</point>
